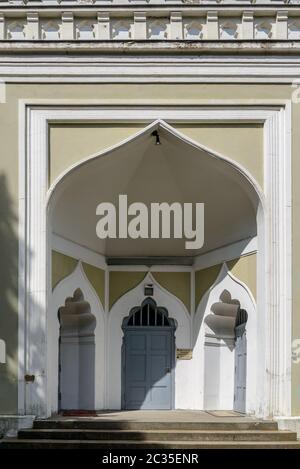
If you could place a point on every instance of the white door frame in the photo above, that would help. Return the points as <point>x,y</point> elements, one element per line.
<point>274,266</point>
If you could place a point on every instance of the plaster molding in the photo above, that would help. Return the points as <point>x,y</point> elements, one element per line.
<point>13,4</point>
<point>136,68</point>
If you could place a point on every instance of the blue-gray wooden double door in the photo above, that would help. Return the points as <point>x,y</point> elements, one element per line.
<point>148,364</point>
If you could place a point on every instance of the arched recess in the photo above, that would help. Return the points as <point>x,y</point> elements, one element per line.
<point>215,321</point>
<point>76,354</point>
<point>148,358</point>
<point>229,169</point>
<point>119,311</point>
<point>63,290</point>
<point>232,172</point>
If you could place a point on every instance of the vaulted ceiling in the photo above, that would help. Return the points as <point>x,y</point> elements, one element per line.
<point>174,171</point>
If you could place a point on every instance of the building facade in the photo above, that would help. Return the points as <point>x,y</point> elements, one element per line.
<point>159,101</point>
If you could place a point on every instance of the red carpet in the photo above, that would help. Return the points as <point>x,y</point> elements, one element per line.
<point>78,413</point>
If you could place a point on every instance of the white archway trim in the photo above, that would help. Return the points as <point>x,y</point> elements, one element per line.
<point>65,288</point>
<point>2,351</point>
<point>149,278</point>
<point>119,311</point>
<point>237,167</point>
<point>274,241</point>
<point>100,154</point>
<point>239,291</point>
<point>80,266</point>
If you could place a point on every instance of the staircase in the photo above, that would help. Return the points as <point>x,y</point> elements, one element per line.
<point>93,433</point>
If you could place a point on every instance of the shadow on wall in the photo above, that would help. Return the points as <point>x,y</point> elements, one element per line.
<point>8,300</point>
<point>10,291</point>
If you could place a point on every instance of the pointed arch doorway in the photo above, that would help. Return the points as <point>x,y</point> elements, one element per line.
<point>76,354</point>
<point>148,358</point>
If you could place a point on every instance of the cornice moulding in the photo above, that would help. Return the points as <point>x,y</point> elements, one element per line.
<point>160,22</point>
<point>174,46</point>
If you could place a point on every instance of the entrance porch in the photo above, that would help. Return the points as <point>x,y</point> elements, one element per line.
<point>154,430</point>
<point>145,323</point>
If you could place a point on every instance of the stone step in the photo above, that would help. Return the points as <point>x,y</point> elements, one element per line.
<point>99,424</point>
<point>125,444</point>
<point>157,435</point>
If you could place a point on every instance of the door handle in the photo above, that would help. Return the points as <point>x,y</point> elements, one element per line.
<point>168,370</point>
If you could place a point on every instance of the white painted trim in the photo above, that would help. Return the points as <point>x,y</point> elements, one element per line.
<point>264,104</point>
<point>281,68</point>
<point>22,276</point>
<point>91,6</point>
<point>275,268</point>
<point>78,252</point>
<point>278,293</point>
<point>226,253</point>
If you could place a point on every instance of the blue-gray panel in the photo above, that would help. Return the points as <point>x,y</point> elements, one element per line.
<point>148,363</point>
